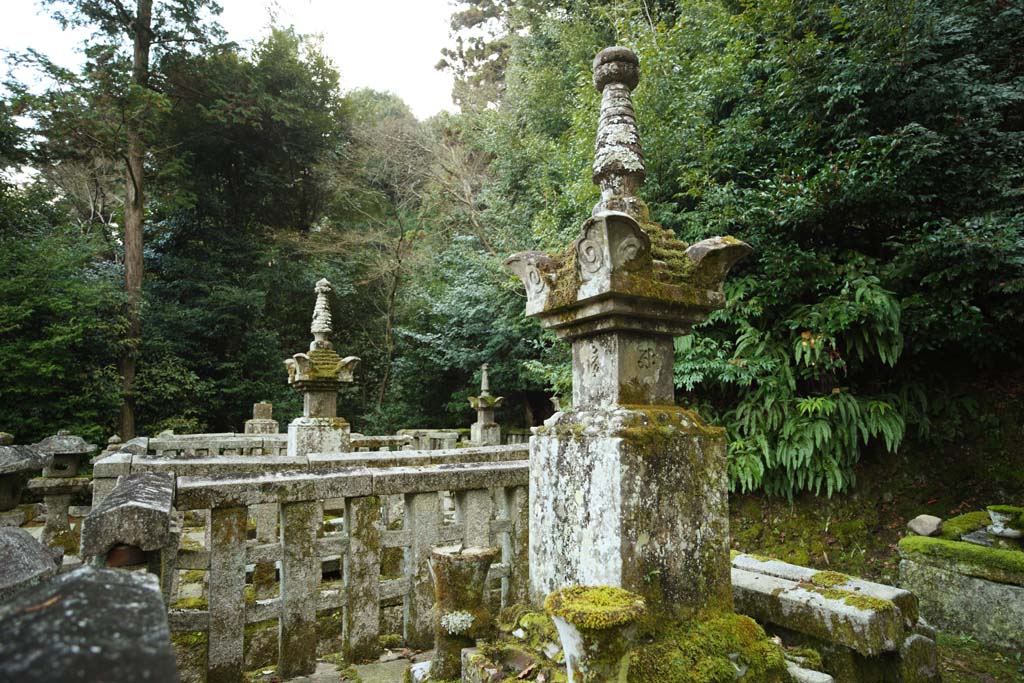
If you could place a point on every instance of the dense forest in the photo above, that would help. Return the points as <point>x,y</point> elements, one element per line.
<point>872,153</point>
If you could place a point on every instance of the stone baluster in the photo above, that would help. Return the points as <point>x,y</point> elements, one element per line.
<point>362,578</point>
<point>226,639</point>
<point>300,576</point>
<point>515,509</point>
<point>597,626</point>
<point>422,516</point>
<point>462,614</point>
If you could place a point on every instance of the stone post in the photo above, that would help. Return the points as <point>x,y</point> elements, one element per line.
<point>319,375</point>
<point>626,488</point>
<point>461,613</point>
<point>485,431</point>
<point>597,626</point>
<point>262,421</point>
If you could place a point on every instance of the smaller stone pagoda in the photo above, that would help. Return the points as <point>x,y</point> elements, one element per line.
<point>485,431</point>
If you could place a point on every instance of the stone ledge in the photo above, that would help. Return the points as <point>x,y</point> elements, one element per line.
<point>991,564</point>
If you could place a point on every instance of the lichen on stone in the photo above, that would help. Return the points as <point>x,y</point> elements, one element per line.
<point>456,622</point>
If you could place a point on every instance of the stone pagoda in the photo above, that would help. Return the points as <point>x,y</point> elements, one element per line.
<point>627,489</point>
<point>485,431</point>
<point>319,374</point>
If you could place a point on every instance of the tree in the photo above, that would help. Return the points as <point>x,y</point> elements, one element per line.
<point>110,111</point>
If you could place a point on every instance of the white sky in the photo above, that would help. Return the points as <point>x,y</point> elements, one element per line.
<point>382,44</point>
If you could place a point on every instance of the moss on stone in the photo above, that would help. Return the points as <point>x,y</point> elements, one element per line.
<point>828,578</point>
<point>1016,514</point>
<point>858,600</point>
<point>807,657</point>
<point>712,650</point>
<point>391,641</point>
<point>595,607</point>
<point>193,576</point>
<point>955,527</point>
<point>994,564</point>
<point>191,603</point>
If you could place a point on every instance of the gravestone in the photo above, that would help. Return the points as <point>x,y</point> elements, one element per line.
<point>262,421</point>
<point>626,488</point>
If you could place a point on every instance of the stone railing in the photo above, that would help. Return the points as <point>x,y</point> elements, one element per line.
<point>227,443</point>
<point>491,510</point>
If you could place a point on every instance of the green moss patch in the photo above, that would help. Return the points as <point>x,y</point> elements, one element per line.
<point>955,527</point>
<point>715,650</point>
<point>595,607</point>
<point>829,579</point>
<point>190,603</point>
<point>1001,566</point>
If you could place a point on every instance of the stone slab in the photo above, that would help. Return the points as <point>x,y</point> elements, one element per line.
<point>795,606</point>
<point>904,600</point>
<point>25,563</point>
<point>88,625</point>
<point>197,493</point>
<point>137,513</point>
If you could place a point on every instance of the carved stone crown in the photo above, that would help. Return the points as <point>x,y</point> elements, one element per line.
<point>624,272</point>
<point>321,369</point>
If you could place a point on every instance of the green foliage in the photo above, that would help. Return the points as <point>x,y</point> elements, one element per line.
<point>59,323</point>
<point>872,156</point>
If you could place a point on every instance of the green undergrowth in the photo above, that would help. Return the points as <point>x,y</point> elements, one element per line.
<point>963,660</point>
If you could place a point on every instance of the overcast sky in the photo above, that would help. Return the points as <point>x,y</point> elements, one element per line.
<point>383,44</point>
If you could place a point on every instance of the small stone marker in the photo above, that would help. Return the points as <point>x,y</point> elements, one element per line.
<point>262,421</point>
<point>87,625</point>
<point>925,525</point>
<point>461,611</point>
<point>25,562</point>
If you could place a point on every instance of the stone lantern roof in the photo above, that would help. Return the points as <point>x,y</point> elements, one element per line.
<point>64,443</point>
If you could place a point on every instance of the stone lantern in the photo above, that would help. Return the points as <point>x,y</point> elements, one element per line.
<point>485,431</point>
<point>319,374</point>
<point>67,450</point>
<point>627,489</point>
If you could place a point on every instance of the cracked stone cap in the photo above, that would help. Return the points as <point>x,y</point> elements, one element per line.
<point>321,368</point>
<point>624,272</point>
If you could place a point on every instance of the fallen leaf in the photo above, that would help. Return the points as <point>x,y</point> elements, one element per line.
<point>42,605</point>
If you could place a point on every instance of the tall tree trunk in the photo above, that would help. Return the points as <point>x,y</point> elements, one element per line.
<point>140,29</point>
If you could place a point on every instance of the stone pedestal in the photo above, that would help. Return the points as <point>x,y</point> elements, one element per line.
<point>57,493</point>
<point>633,497</point>
<point>318,435</point>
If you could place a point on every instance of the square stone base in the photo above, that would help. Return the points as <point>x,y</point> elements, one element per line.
<point>634,497</point>
<point>318,435</point>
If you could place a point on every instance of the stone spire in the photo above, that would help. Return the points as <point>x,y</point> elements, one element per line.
<point>322,324</point>
<point>618,158</point>
<point>485,431</point>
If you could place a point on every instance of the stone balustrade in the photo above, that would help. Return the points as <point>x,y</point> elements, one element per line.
<point>491,510</point>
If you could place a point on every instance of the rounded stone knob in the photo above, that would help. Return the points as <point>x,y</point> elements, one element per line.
<point>616,65</point>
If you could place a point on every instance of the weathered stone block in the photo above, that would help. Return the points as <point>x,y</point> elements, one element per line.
<point>300,576</point>
<point>317,435</point>
<point>362,578</point>
<point>635,498</point>
<point>88,625</point>
<point>25,562</point>
<point>954,600</point>
<point>136,513</point>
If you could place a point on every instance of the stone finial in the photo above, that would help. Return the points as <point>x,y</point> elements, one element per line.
<point>322,325</point>
<point>485,385</point>
<point>618,158</point>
